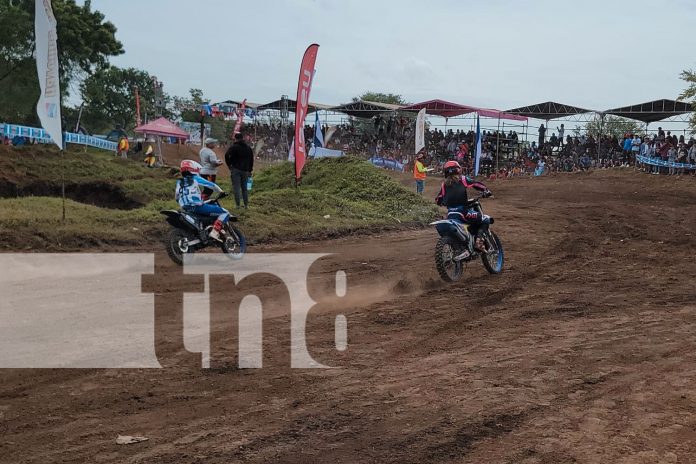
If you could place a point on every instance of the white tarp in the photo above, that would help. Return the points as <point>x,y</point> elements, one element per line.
<point>319,152</point>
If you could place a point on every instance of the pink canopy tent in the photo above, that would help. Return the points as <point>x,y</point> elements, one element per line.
<point>447,109</point>
<point>163,128</point>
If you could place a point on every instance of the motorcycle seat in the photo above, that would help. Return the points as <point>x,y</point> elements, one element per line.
<point>204,219</point>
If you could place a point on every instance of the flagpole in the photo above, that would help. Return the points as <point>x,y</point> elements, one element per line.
<point>62,175</point>
<point>497,146</point>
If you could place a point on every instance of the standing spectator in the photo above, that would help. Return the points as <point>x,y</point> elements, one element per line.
<point>653,154</point>
<point>240,160</point>
<point>645,153</point>
<point>561,131</point>
<point>691,156</point>
<point>672,158</point>
<point>660,134</point>
<point>627,146</point>
<point>209,164</point>
<point>635,147</point>
<point>681,157</point>
<point>419,173</point>
<point>542,136</point>
<point>123,147</point>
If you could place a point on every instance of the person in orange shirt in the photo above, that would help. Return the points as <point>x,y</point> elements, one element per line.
<point>419,173</point>
<point>123,147</point>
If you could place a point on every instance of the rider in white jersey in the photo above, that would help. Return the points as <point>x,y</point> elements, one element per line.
<point>188,195</point>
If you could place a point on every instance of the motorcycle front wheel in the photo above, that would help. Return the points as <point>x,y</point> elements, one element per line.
<point>445,251</point>
<point>494,259</point>
<point>234,243</point>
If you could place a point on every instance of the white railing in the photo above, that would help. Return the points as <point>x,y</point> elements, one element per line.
<point>13,130</point>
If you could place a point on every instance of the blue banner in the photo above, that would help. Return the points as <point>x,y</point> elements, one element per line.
<point>40,135</point>
<point>666,164</point>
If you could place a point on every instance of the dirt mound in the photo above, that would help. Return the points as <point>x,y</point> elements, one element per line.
<point>581,351</point>
<point>90,177</point>
<point>102,194</point>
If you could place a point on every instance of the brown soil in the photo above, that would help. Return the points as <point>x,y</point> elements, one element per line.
<point>582,351</point>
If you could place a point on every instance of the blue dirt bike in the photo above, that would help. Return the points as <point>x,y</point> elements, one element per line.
<point>456,246</point>
<point>191,233</point>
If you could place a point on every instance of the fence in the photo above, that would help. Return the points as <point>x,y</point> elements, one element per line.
<point>12,130</point>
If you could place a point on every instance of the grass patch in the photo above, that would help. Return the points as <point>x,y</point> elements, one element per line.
<point>36,223</point>
<point>44,163</point>
<point>337,196</point>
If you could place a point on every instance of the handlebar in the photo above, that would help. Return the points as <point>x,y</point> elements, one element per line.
<point>220,196</point>
<point>481,195</point>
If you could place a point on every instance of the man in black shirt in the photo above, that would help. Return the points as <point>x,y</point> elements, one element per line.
<point>240,159</point>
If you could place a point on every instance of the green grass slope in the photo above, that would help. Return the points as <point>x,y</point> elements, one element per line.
<point>116,202</point>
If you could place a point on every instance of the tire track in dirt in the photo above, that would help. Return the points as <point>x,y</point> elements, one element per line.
<point>582,351</point>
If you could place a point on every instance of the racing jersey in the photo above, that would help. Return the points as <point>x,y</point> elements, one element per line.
<point>455,195</point>
<point>188,190</point>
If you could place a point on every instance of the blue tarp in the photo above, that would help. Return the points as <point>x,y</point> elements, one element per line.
<point>387,163</point>
<point>666,164</point>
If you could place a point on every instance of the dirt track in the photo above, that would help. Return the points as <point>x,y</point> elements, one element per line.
<point>584,350</point>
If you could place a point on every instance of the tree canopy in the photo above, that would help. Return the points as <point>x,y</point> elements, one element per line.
<point>379,97</point>
<point>689,94</point>
<point>109,97</point>
<point>614,126</point>
<point>85,43</point>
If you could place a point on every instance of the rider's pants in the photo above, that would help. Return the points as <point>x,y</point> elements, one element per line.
<point>478,223</point>
<point>210,210</point>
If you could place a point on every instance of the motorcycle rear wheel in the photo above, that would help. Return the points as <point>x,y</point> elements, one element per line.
<point>177,245</point>
<point>445,251</point>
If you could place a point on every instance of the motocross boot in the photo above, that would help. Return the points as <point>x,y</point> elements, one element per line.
<point>215,233</point>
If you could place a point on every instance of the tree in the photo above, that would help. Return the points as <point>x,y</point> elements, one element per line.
<point>109,97</point>
<point>85,42</point>
<point>189,109</point>
<point>613,126</point>
<point>378,97</point>
<point>689,94</point>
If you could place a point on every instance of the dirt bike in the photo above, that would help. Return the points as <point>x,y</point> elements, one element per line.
<point>456,246</point>
<point>191,233</point>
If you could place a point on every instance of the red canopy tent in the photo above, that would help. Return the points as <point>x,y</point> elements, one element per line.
<point>447,109</point>
<point>164,128</point>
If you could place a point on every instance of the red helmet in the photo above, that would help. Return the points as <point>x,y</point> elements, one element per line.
<point>452,167</point>
<point>190,167</point>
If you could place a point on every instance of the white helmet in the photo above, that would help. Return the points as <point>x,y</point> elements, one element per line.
<point>190,166</point>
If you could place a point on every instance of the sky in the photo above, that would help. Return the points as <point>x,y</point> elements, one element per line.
<point>492,53</point>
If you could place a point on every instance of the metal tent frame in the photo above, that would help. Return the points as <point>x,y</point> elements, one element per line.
<point>365,109</point>
<point>652,111</point>
<point>549,110</point>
